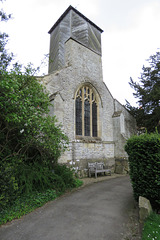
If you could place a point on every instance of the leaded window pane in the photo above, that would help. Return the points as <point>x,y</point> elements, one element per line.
<point>86,118</point>
<point>94,119</point>
<point>78,117</point>
<point>84,92</point>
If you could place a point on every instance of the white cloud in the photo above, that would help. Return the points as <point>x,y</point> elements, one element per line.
<point>131,34</point>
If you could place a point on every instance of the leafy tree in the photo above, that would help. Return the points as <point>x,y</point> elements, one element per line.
<point>24,106</point>
<point>31,141</point>
<point>5,57</point>
<point>147,90</point>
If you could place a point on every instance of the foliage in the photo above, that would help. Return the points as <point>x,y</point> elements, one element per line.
<point>57,182</point>
<point>5,57</point>
<point>37,177</point>
<point>148,93</point>
<point>24,107</point>
<point>144,163</point>
<point>25,204</point>
<point>151,228</point>
<point>66,174</point>
<point>29,137</point>
<point>31,141</point>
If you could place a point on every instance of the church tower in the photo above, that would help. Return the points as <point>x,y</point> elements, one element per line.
<point>72,25</point>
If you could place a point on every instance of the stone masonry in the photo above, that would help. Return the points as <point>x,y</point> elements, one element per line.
<point>83,67</point>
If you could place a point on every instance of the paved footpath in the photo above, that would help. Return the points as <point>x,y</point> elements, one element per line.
<point>98,211</point>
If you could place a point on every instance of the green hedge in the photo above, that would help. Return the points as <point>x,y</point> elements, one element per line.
<point>144,163</point>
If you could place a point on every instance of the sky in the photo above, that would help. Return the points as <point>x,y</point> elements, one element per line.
<point>131,35</point>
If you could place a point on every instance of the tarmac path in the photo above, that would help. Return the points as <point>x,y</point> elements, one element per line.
<point>98,211</point>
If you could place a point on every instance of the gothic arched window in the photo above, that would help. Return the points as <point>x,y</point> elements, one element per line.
<point>86,112</point>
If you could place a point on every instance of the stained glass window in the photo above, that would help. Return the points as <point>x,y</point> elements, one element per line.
<point>94,119</point>
<point>78,116</point>
<point>86,112</point>
<point>86,118</point>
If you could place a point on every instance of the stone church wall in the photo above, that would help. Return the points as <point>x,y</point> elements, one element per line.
<point>82,66</point>
<point>124,127</point>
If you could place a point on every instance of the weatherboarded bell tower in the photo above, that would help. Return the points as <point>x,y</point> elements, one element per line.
<point>96,124</point>
<point>72,25</point>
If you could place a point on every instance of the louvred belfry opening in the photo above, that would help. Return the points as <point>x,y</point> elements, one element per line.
<point>72,24</point>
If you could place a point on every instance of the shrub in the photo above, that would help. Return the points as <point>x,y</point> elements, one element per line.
<point>37,177</point>
<point>66,174</point>
<point>144,163</point>
<point>35,186</point>
<point>25,204</point>
<point>8,183</point>
<point>30,140</point>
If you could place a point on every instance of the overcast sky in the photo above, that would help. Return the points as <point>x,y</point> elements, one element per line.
<point>131,34</point>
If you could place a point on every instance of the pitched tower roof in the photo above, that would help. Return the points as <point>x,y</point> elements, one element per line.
<point>72,24</point>
<point>77,12</point>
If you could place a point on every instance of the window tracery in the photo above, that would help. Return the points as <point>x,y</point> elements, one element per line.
<point>86,112</point>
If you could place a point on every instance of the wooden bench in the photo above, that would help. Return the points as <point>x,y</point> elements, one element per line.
<point>94,168</point>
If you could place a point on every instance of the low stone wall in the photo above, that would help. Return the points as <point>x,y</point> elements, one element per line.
<point>118,166</point>
<point>121,166</point>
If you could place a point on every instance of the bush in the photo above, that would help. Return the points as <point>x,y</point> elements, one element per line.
<point>37,177</point>
<point>28,178</point>
<point>36,185</point>
<point>8,183</point>
<point>144,163</point>
<point>66,174</point>
<point>25,204</point>
<point>30,140</point>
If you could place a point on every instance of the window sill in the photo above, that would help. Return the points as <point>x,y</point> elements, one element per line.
<point>88,139</point>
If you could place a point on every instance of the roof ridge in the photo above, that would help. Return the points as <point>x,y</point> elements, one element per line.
<point>80,14</point>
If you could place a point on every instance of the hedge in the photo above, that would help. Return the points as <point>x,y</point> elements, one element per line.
<point>144,164</point>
